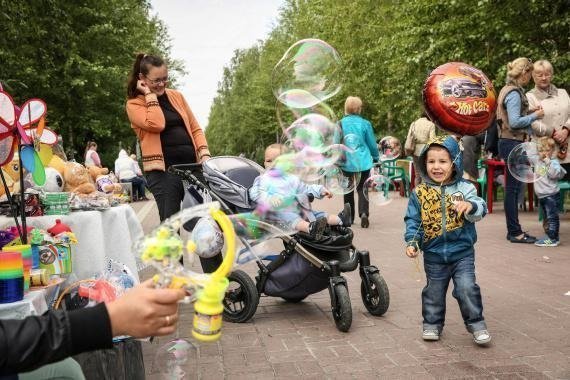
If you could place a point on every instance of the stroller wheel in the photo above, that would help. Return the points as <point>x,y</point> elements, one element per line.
<point>378,300</point>
<point>240,302</point>
<point>342,311</point>
<point>294,300</point>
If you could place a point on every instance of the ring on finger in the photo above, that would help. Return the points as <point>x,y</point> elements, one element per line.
<point>167,320</point>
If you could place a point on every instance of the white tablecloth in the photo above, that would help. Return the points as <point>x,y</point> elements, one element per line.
<point>101,234</point>
<point>34,303</point>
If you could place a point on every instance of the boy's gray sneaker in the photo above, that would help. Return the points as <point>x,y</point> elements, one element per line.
<point>481,337</point>
<point>430,334</point>
<point>317,227</point>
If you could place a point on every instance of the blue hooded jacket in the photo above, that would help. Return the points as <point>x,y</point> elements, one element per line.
<point>432,224</point>
<point>358,136</point>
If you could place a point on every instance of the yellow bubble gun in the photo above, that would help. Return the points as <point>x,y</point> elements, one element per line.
<point>207,324</point>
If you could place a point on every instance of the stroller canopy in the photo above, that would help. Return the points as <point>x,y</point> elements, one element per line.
<point>231,177</point>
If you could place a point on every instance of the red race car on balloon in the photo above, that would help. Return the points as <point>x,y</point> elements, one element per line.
<point>460,99</point>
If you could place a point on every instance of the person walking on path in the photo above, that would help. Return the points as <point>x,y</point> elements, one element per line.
<point>358,136</point>
<point>421,131</point>
<point>440,221</point>
<point>514,119</point>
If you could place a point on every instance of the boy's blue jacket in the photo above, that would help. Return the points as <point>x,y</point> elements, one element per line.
<point>432,224</point>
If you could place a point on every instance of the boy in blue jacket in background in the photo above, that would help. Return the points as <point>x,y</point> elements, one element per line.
<point>440,221</point>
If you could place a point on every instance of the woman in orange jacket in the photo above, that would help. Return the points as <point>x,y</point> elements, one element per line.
<point>167,129</point>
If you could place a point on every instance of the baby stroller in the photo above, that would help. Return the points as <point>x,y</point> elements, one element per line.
<point>304,266</point>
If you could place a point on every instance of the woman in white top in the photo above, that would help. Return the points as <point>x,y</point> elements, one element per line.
<point>126,170</point>
<point>91,156</point>
<point>555,103</point>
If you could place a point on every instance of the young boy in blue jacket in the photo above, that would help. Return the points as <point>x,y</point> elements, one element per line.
<point>440,221</point>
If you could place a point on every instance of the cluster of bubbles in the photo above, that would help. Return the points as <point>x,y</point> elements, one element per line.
<point>377,188</point>
<point>526,162</point>
<point>305,77</point>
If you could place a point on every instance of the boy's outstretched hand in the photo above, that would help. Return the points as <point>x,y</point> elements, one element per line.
<point>326,193</point>
<point>411,251</point>
<point>463,207</point>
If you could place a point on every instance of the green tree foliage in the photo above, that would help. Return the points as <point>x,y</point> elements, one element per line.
<point>388,48</point>
<point>76,55</point>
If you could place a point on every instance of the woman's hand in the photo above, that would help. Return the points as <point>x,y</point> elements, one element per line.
<point>145,311</point>
<point>539,112</point>
<point>411,251</point>
<point>142,87</point>
<point>560,135</point>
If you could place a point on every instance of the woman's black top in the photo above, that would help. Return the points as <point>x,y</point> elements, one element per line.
<point>177,146</point>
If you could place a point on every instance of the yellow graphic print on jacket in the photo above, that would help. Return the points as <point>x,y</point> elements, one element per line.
<point>431,211</point>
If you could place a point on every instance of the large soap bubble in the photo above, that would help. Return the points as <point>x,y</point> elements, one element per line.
<point>177,359</point>
<point>525,164</point>
<point>208,237</point>
<point>308,73</point>
<point>377,190</point>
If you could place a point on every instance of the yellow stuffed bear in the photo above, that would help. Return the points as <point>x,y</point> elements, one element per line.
<point>102,180</point>
<point>77,179</point>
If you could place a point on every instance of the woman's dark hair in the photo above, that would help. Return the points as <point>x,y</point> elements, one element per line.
<point>141,66</point>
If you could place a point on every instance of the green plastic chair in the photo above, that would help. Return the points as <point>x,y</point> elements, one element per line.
<point>396,174</point>
<point>482,180</point>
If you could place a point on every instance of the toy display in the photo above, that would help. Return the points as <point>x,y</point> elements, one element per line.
<point>77,179</point>
<point>103,180</point>
<point>11,277</point>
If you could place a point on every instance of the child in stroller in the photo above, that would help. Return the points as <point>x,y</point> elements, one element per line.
<point>285,197</point>
<point>305,265</point>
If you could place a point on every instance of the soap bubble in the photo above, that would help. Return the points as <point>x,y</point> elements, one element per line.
<point>525,164</point>
<point>288,115</point>
<point>308,73</point>
<point>208,237</point>
<point>377,190</point>
<point>176,359</point>
<point>339,182</point>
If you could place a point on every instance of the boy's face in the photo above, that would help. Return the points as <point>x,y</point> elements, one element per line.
<point>439,165</point>
<point>270,155</point>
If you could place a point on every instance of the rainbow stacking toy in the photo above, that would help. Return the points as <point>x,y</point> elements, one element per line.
<point>11,277</point>
<point>26,251</point>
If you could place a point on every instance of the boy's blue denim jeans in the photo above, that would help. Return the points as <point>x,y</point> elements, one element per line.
<point>466,292</point>
<point>549,205</point>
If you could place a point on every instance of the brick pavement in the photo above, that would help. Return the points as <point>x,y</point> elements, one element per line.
<point>526,309</point>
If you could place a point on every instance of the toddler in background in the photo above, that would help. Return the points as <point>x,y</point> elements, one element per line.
<point>548,192</point>
<point>287,197</point>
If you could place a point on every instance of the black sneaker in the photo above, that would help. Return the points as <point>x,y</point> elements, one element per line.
<point>364,222</point>
<point>345,215</point>
<point>526,239</point>
<point>317,227</point>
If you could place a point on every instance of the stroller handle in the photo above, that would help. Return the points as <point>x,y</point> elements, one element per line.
<point>187,172</point>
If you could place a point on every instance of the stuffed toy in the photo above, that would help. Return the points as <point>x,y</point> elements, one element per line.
<point>54,181</point>
<point>77,179</point>
<point>57,163</point>
<point>12,175</point>
<point>103,180</point>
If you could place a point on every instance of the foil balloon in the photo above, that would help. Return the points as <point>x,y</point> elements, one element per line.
<point>460,99</point>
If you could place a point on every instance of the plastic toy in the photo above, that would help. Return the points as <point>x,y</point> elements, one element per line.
<point>164,249</point>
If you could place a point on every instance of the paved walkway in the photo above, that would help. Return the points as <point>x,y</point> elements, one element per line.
<point>526,295</point>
